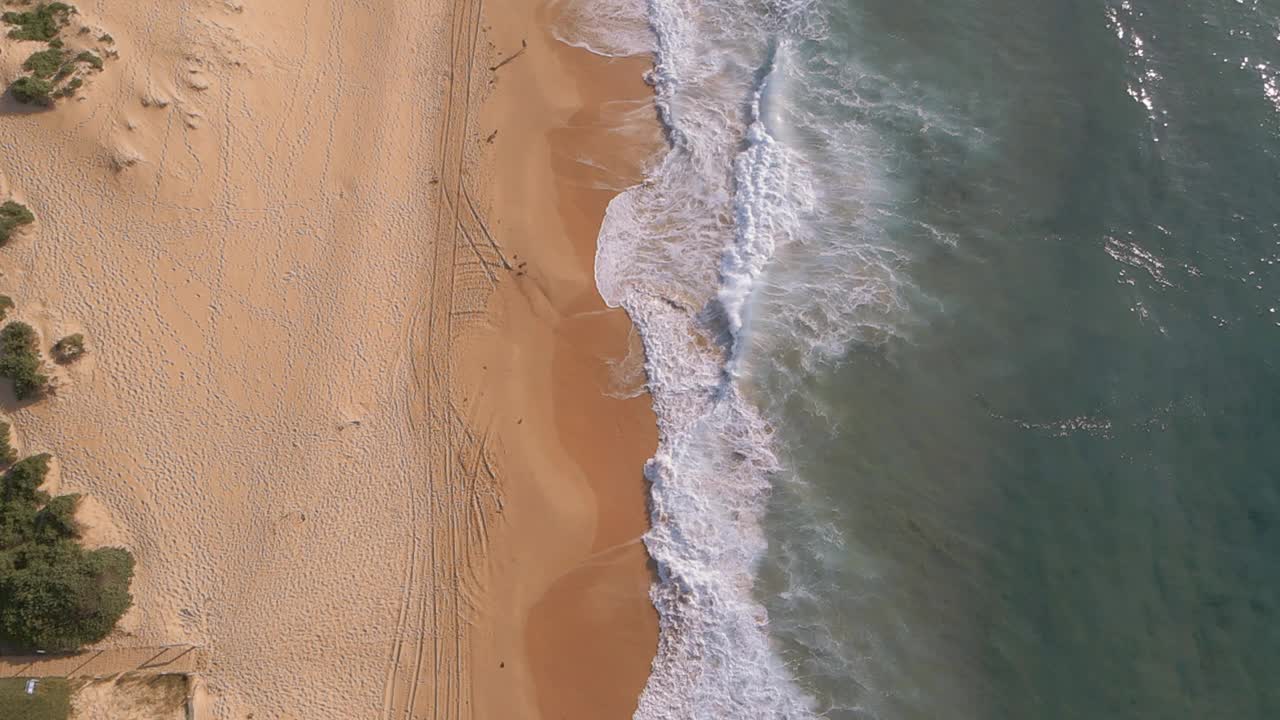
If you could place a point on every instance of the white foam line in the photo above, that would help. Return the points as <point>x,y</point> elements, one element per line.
<point>710,475</point>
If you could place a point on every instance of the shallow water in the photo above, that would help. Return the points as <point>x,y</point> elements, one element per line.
<point>961,323</point>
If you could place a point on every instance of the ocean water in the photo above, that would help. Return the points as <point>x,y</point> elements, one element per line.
<point>962,322</point>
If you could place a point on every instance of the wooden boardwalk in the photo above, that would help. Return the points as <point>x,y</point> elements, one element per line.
<point>157,660</point>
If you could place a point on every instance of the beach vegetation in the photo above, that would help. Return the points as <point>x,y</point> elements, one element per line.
<point>13,215</point>
<point>69,348</point>
<point>43,22</point>
<point>8,454</point>
<point>45,63</point>
<point>20,360</point>
<point>6,305</point>
<point>17,335</point>
<point>22,481</point>
<point>90,58</point>
<point>57,519</point>
<point>32,90</point>
<point>106,38</point>
<point>49,69</point>
<point>54,594</point>
<point>70,88</point>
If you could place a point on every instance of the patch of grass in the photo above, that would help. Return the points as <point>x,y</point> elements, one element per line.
<point>45,63</point>
<point>42,23</point>
<point>32,90</point>
<point>13,215</point>
<point>90,58</point>
<point>69,348</point>
<point>20,360</point>
<point>106,38</point>
<point>6,304</point>
<point>51,701</point>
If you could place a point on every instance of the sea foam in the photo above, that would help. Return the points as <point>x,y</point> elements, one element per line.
<point>683,253</point>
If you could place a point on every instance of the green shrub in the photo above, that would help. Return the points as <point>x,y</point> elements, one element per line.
<point>70,88</point>
<point>6,304</point>
<point>69,348</point>
<point>17,336</point>
<point>54,594</point>
<point>42,23</point>
<point>45,63</point>
<point>17,526</point>
<point>22,481</point>
<point>19,360</point>
<point>57,519</point>
<point>20,501</point>
<point>24,371</point>
<point>58,596</point>
<point>90,58</point>
<point>32,90</point>
<point>56,43</point>
<point>106,38</point>
<point>7,452</point>
<point>13,216</point>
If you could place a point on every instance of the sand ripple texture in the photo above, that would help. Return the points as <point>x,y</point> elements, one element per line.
<point>267,218</point>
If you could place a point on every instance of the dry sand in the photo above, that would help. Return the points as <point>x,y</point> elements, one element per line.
<point>361,452</point>
<point>131,698</point>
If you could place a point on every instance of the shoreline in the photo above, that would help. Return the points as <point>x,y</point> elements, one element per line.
<point>574,630</point>
<point>350,390</point>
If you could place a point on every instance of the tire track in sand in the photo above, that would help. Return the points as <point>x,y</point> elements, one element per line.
<point>428,661</point>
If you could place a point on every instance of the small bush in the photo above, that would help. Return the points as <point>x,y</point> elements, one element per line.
<point>90,58</point>
<point>17,337</point>
<point>58,596</point>
<point>13,216</point>
<point>45,63</point>
<point>57,519</point>
<point>54,594</point>
<point>70,88</point>
<point>8,455</point>
<point>69,348</point>
<point>43,23</point>
<point>24,372</point>
<point>32,90</point>
<point>106,38</point>
<point>22,481</point>
<point>6,304</point>
<point>20,362</point>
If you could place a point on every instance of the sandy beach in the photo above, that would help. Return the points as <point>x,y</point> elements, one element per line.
<point>350,398</point>
<point>569,574</point>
